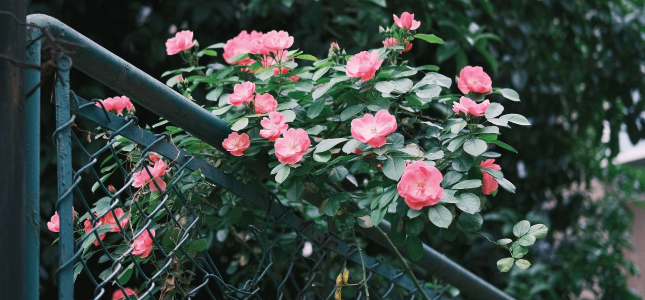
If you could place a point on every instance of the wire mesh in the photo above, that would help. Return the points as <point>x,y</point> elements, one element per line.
<point>279,255</point>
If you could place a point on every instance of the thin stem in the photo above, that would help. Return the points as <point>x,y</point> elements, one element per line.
<point>405,264</point>
<point>367,293</point>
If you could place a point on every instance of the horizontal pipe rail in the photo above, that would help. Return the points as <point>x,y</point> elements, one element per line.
<point>119,75</point>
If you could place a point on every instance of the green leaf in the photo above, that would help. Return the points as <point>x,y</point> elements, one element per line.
<point>319,73</point>
<point>207,52</point>
<point>328,144</point>
<point>222,110</point>
<point>521,228</point>
<point>214,94</point>
<point>503,242</point>
<point>331,207</point>
<point>295,191</point>
<point>413,213</point>
<point>338,173</point>
<point>527,240</point>
<point>351,111</point>
<point>240,124</point>
<point>510,94</point>
<point>538,230</point>
<point>125,275</point>
<point>507,185</point>
<point>365,221</point>
<point>518,251</point>
<point>515,118</point>
<point>319,91</point>
<point>402,85</point>
<point>385,199</point>
<point>289,115</point>
<point>307,57</point>
<point>393,168</point>
<point>384,87</point>
<point>440,216</point>
<point>377,216</point>
<point>468,184</point>
<point>414,227</point>
<point>429,93</point>
<point>455,143</point>
<point>415,248</point>
<point>470,222</point>
<point>198,245</point>
<point>458,127</point>
<point>304,85</point>
<point>468,202</point>
<point>462,163</point>
<point>504,145</point>
<point>238,57</point>
<point>522,263</point>
<point>172,81</point>
<point>351,145</point>
<point>322,156</point>
<point>434,155</point>
<point>316,108</point>
<point>282,174</point>
<point>316,130</point>
<point>430,38</point>
<point>505,264</point>
<point>475,147</point>
<point>495,109</point>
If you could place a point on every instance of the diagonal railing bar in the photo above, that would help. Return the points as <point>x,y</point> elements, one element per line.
<point>119,75</point>
<point>264,202</point>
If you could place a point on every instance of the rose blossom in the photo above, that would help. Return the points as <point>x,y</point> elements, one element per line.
<point>276,40</point>
<point>474,79</point>
<point>142,177</point>
<point>117,103</point>
<point>273,126</point>
<point>54,223</point>
<point>242,43</point>
<point>154,156</point>
<point>294,78</point>
<point>390,42</point>
<point>236,143</point>
<point>406,21</point>
<point>242,93</point>
<point>118,294</point>
<point>143,244</point>
<point>408,46</point>
<point>183,40</point>
<point>420,185</point>
<point>109,219</point>
<point>363,65</point>
<point>489,184</point>
<point>373,129</point>
<point>265,103</point>
<point>292,146</point>
<point>88,227</point>
<point>468,106</point>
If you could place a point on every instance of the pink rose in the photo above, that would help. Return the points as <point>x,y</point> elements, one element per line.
<point>363,65</point>
<point>276,40</point>
<point>474,79</point>
<point>292,146</point>
<point>294,78</point>
<point>420,185</point>
<point>154,156</point>
<point>373,129</point>
<point>390,42</point>
<point>236,143</point>
<point>468,106</point>
<point>88,227</point>
<point>406,21</point>
<point>143,244</point>
<point>142,178</point>
<point>265,103</point>
<point>242,93</point>
<point>183,40</point>
<point>109,219</point>
<point>333,48</point>
<point>273,126</point>
<point>118,294</point>
<point>117,103</point>
<point>489,184</point>
<point>54,223</point>
<point>242,43</point>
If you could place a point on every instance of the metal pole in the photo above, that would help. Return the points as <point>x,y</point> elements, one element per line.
<point>32,171</point>
<point>63,140</point>
<point>12,157</point>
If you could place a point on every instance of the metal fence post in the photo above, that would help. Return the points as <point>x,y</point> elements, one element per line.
<point>12,157</point>
<point>63,140</point>
<point>32,169</point>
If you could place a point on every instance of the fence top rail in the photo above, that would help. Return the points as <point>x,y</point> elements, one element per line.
<point>111,70</point>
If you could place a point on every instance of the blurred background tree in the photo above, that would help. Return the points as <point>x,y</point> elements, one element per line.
<point>578,66</point>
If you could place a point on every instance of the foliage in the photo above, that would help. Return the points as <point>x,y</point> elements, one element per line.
<point>574,65</point>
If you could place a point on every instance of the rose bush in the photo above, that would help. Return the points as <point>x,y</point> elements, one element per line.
<point>370,135</point>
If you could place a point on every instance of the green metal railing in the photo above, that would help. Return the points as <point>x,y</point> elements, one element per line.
<point>283,271</point>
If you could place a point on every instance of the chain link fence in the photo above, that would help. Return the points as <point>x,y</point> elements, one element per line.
<point>278,255</point>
